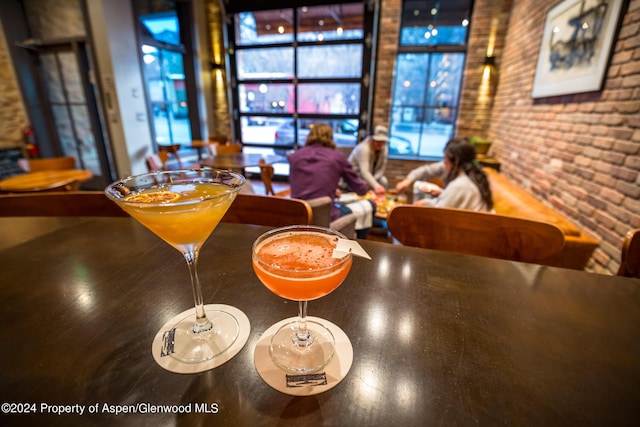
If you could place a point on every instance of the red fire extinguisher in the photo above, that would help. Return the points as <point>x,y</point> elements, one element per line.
<point>29,136</point>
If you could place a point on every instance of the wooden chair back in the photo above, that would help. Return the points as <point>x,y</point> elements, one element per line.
<point>228,148</point>
<point>51,163</point>
<point>166,151</point>
<point>156,162</point>
<point>63,203</point>
<point>220,139</point>
<point>474,233</point>
<point>630,255</point>
<point>269,211</point>
<point>246,209</point>
<point>266,174</point>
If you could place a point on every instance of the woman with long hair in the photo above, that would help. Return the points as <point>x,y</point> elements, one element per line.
<point>466,186</point>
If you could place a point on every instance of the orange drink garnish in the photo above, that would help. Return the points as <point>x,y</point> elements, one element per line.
<point>183,215</point>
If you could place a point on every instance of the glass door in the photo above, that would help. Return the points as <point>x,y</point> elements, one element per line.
<point>73,105</point>
<point>164,73</point>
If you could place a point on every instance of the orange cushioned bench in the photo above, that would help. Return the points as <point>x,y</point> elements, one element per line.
<point>510,199</point>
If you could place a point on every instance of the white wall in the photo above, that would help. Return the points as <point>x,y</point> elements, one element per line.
<point>122,85</point>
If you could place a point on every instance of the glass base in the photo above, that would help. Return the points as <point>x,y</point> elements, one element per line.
<point>296,356</point>
<point>191,347</point>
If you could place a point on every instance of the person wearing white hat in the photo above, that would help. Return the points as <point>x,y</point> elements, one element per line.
<point>369,159</point>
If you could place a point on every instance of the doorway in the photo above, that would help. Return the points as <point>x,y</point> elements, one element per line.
<point>71,102</point>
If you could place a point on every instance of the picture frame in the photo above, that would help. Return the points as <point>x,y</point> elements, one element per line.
<point>576,45</point>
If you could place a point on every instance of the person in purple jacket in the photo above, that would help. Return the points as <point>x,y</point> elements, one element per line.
<point>315,169</point>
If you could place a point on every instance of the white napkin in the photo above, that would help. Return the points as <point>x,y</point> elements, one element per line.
<point>364,213</point>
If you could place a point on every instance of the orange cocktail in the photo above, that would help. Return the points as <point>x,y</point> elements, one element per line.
<point>182,214</point>
<point>183,207</point>
<point>300,265</point>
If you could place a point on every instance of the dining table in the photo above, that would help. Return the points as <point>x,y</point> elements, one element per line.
<point>47,180</point>
<point>437,338</point>
<point>240,160</point>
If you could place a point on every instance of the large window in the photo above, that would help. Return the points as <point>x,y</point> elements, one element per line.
<point>428,77</point>
<point>164,44</point>
<point>295,66</point>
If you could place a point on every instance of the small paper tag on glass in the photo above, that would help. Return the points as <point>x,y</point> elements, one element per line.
<point>345,247</point>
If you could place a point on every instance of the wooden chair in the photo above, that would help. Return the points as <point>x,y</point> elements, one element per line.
<point>157,162</point>
<point>51,163</point>
<point>228,148</point>
<point>64,203</point>
<point>166,151</point>
<point>266,174</point>
<point>474,233</point>
<point>246,209</point>
<point>630,255</point>
<point>215,141</point>
<point>269,211</point>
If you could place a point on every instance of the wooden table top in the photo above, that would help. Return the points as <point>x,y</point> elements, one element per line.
<point>239,160</point>
<point>44,180</point>
<point>438,338</point>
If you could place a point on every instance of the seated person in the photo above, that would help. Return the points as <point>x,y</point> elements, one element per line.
<point>369,159</point>
<point>316,169</point>
<point>466,186</point>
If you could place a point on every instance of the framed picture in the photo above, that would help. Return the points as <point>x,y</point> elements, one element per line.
<point>576,47</point>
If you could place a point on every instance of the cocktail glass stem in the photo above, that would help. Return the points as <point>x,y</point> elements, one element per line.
<point>303,338</point>
<point>202,323</point>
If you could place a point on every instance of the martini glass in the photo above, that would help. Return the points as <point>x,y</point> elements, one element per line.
<point>183,207</point>
<point>300,263</point>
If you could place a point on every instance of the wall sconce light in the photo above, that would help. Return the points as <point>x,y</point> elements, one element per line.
<point>489,61</point>
<point>216,66</point>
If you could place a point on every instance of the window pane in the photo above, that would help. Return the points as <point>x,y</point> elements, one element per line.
<point>329,98</point>
<point>445,78</point>
<point>264,27</point>
<point>164,73</point>
<point>267,63</point>
<point>258,132</point>
<point>410,83</point>
<point>162,26</point>
<point>329,61</point>
<point>433,22</point>
<point>431,36</point>
<point>264,97</point>
<point>345,131</point>
<point>335,22</point>
<point>425,100</point>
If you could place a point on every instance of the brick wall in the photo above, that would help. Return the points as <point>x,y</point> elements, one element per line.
<point>578,153</point>
<point>12,116</point>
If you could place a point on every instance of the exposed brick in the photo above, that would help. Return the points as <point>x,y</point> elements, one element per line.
<point>631,190</point>
<point>611,196</point>
<point>627,147</point>
<point>632,162</point>
<point>625,174</point>
<point>613,157</point>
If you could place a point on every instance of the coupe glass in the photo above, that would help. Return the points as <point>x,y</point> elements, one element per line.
<point>300,263</point>
<point>183,207</point>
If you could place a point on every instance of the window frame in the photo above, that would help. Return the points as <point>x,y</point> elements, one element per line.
<point>364,114</point>
<point>186,48</point>
<point>430,49</point>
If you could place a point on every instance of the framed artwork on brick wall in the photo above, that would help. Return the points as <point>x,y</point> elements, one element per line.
<point>576,47</point>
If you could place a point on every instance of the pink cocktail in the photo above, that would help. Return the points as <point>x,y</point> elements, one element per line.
<point>301,263</point>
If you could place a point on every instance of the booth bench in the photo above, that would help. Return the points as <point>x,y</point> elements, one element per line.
<point>510,199</point>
